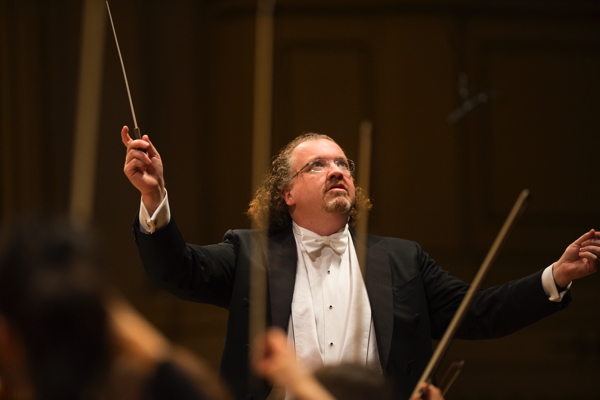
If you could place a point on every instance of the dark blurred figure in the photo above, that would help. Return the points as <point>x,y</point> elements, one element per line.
<point>356,382</point>
<point>53,335</point>
<point>274,360</point>
<point>348,381</point>
<point>65,336</point>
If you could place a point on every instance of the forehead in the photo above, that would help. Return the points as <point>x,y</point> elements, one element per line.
<point>319,148</point>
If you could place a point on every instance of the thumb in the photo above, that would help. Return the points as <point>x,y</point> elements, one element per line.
<point>125,138</point>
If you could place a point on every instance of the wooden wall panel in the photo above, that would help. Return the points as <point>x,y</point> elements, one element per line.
<point>531,136</point>
<point>399,88</point>
<point>528,136</point>
<point>323,89</point>
<point>544,129</point>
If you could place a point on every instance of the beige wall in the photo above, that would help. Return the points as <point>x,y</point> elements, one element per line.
<point>447,186</point>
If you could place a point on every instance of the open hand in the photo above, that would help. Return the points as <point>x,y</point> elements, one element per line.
<point>580,259</point>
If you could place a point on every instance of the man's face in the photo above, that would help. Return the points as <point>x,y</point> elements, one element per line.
<point>311,193</point>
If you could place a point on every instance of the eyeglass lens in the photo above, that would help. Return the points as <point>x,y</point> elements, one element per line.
<point>320,165</point>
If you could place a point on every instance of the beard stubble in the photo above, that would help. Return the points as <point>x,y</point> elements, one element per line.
<point>339,204</point>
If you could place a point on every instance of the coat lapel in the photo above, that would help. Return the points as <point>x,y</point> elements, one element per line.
<point>281,267</point>
<point>378,280</point>
<point>282,262</point>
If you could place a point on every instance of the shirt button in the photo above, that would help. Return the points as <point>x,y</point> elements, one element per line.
<point>330,307</point>
<point>331,344</point>
<point>328,271</point>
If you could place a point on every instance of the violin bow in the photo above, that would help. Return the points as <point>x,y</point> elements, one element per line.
<point>450,376</point>
<point>87,118</point>
<point>362,218</point>
<point>364,173</point>
<point>261,148</point>
<point>444,343</point>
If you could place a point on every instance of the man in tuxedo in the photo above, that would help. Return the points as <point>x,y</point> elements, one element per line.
<point>316,292</point>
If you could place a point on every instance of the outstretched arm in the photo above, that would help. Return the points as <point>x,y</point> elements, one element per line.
<point>580,259</point>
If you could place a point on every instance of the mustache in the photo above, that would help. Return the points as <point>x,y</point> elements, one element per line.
<point>336,183</point>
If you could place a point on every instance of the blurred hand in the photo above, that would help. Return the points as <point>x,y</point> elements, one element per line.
<point>428,392</point>
<point>273,360</point>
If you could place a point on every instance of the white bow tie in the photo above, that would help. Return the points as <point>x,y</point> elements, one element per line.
<point>314,244</point>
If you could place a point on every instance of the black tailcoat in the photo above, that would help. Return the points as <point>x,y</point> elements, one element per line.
<point>412,299</point>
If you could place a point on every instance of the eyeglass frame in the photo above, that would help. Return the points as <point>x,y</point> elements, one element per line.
<point>351,166</point>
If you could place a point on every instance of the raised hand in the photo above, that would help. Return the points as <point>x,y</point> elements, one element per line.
<point>144,169</point>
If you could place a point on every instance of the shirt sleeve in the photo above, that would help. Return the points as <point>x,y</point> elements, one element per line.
<point>161,217</point>
<point>550,286</point>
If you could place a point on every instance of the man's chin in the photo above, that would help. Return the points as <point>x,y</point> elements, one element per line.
<point>340,204</point>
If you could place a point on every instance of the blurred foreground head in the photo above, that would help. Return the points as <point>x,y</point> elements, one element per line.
<point>65,335</point>
<point>53,333</point>
<point>349,381</point>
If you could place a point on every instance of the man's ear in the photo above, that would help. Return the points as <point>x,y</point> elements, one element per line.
<point>286,193</point>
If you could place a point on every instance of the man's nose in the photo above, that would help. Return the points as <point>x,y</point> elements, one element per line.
<point>334,171</point>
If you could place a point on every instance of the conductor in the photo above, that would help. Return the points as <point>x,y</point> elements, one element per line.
<point>315,287</point>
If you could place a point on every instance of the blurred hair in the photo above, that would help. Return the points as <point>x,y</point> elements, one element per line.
<point>268,209</point>
<point>50,293</point>
<point>349,381</point>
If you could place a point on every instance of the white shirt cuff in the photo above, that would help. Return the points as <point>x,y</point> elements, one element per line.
<point>161,217</point>
<point>550,286</point>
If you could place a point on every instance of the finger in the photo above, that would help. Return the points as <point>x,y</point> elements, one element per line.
<point>591,254</point>
<point>426,391</point>
<point>421,393</point>
<point>130,143</point>
<point>138,160</point>
<point>134,166</point>
<point>434,392</point>
<point>125,138</point>
<point>586,236</point>
<point>593,240</point>
<point>136,148</point>
<point>151,149</point>
<point>136,153</point>
<point>138,144</point>
<point>592,246</point>
<point>431,392</point>
<point>592,258</point>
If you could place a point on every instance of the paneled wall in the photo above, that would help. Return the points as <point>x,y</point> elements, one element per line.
<point>530,70</point>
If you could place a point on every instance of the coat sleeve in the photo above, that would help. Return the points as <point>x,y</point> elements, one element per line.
<point>495,312</point>
<point>202,274</point>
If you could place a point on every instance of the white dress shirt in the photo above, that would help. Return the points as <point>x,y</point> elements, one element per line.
<point>331,316</point>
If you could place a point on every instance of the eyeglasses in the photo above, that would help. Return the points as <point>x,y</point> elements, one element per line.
<point>321,165</point>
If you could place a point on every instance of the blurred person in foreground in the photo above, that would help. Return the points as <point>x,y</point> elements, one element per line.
<point>65,336</point>
<point>274,360</point>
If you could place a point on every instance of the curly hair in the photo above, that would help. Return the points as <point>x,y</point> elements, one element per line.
<point>268,209</point>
